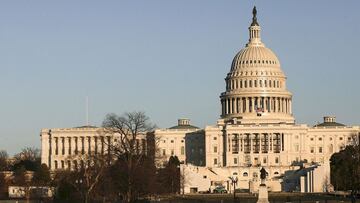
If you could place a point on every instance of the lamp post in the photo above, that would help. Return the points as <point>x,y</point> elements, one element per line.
<point>234,181</point>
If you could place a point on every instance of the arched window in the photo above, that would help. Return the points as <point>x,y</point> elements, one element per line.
<point>240,83</point>
<point>269,83</point>
<point>245,174</point>
<point>255,83</point>
<point>276,173</point>
<point>265,83</point>
<point>260,83</point>
<point>250,83</point>
<point>245,85</point>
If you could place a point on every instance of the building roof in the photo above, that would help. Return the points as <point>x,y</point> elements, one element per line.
<point>87,126</point>
<point>329,124</point>
<point>184,127</point>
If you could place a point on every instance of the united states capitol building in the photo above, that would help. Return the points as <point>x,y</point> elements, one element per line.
<point>256,129</point>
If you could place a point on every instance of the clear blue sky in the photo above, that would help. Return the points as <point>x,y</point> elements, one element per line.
<point>167,58</point>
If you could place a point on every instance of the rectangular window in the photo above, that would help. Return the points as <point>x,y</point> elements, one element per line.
<point>235,161</point>
<point>215,161</point>
<point>215,138</point>
<point>264,160</point>
<point>320,150</point>
<point>182,150</point>
<point>164,152</point>
<point>276,160</point>
<point>312,150</point>
<point>215,149</point>
<point>172,152</point>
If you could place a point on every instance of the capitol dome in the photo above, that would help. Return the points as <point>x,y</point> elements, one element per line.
<point>255,56</point>
<point>256,85</point>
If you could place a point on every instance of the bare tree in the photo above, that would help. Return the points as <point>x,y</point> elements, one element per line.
<point>87,173</point>
<point>130,130</point>
<point>28,153</point>
<point>4,160</point>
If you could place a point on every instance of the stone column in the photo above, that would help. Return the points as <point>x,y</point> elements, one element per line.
<point>252,104</point>
<point>86,144</point>
<point>241,105</point>
<point>227,106</point>
<point>66,147</point>
<point>290,106</point>
<point>54,139</point>
<point>45,147</point>
<point>247,105</point>
<point>270,104</point>
<point>231,106</point>
<point>251,143</point>
<point>93,144</point>
<point>74,144</point>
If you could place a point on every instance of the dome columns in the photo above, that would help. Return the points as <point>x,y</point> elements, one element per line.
<point>255,105</point>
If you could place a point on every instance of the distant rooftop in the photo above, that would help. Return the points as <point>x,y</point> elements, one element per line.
<point>87,126</point>
<point>184,123</point>
<point>329,121</point>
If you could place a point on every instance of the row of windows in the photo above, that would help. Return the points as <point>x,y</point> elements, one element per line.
<point>182,151</point>
<point>312,150</point>
<point>172,141</point>
<point>256,161</point>
<point>235,84</point>
<point>257,62</point>
<point>255,174</point>
<point>340,138</point>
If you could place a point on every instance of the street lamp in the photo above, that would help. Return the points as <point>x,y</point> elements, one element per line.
<point>234,181</point>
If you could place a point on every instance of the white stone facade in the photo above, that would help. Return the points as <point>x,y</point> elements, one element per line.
<point>60,147</point>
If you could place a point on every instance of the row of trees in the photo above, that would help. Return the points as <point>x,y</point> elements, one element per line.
<point>126,173</point>
<point>23,170</point>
